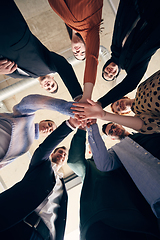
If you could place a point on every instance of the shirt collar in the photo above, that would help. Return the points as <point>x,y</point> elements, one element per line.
<point>54,167</point>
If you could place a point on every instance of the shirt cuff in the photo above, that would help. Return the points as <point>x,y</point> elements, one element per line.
<point>69,125</point>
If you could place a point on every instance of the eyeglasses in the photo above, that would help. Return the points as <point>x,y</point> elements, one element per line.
<point>112,127</point>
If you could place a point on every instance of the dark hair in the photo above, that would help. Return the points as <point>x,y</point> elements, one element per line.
<point>63,147</point>
<point>104,127</point>
<point>48,120</point>
<point>105,65</point>
<point>69,30</point>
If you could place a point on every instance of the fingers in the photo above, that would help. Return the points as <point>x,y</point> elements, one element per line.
<point>77,109</point>
<point>13,68</point>
<point>91,122</point>
<point>80,116</point>
<point>3,61</point>
<point>91,102</point>
<point>83,123</point>
<point>79,104</point>
<point>7,67</point>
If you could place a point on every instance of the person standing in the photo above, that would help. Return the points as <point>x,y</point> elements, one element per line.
<point>136,38</point>
<point>111,206</point>
<point>22,55</point>
<point>36,207</point>
<point>84,18</point>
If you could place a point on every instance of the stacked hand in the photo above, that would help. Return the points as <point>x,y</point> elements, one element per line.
<point>88,110</point>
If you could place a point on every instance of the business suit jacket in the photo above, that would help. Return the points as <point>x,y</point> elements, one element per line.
<point>25,196</point>
<point>139,47</point>
<point>18,44</point>
<point>110,197</point>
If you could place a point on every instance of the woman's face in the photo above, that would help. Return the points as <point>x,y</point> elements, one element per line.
<point>122,106</point>
<point>110,71</point>
<point>78,48</point>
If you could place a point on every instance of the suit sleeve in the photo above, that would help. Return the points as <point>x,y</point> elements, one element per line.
<point>32,103</point>
<point>21,199</point>
<point>76,158</point>
<point>66,72</point>
<point>44,150</point>
<point>105,160</point>
<point>125,18</point>
<point>128,84</point>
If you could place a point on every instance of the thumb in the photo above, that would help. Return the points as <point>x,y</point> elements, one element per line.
<point>91,102</point>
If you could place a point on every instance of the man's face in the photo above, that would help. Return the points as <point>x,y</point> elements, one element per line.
<point>110,71</point>
<point>116,131</point>
<point>60,156</point>
<point>46,127</point>
<point>48,83</point>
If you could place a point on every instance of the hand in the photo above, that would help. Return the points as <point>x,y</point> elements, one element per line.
<point>7,67</point>
<point>74,122</point>
<point>91,122</point>
<point>88,110</point>
<point>84,123</point>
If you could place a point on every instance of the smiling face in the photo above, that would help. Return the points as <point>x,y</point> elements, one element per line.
<point>78,47</point>
<point>48,83</point>
<point>122,106</point>
<point>110,71</point>
<point>46,127</point>
<point>116,131</point>
<point>60,156</point>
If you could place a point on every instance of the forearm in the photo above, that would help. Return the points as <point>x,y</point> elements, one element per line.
<point>128,121</point>
<point>44,150</point>
<point>92,53</point>
<point>76,159</point>
<point>66,72</point>
<point>32,103</point>
<point>104,160</point>
<point>128,84</point>
<point>87,91</point>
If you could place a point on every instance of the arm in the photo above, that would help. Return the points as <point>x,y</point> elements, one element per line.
<point>27,194</point>
<point>94,110</point>
<point>76,158</point>
<point>66,72</point>
<point>125,18</point>
<point>129,83</point>
<point>105,160</point>
<point>92,53</point>
<point>32,103</point>
<point>44,150</point>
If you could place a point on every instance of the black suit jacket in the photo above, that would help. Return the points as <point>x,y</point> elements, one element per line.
<point>110,197</point>
<point>25,196</point>
<point>139,47</point>
<point>18,44</point>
